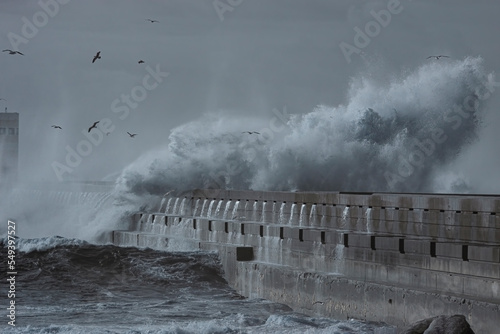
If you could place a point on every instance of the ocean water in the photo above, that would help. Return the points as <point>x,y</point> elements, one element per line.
<point>67,285</point>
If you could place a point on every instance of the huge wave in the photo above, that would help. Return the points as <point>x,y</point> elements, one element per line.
<point>396,135</point>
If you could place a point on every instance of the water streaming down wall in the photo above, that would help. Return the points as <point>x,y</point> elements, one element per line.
<point>382,257</point>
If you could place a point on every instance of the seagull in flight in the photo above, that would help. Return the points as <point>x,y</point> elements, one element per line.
<point>3,99</point>
<point>141,61</point>
<point>251,132</point>
<point>97,56</point>
<point>56,127</point>
<point>93,126</point>
<point>152,21</point>
<point>132,135</point>
<point>437,57</point>
<point>12,52</point>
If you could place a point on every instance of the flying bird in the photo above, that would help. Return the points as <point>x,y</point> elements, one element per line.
<point>141,61</point>
<point>97,56</point>
<point>437,57</point>
<point>3,99</point>
<point>152,21</point>
<point>12,52</point>
<point>56,127</point>
<point>132,135</point>
<point>93,126</point>
<point>251,132</point>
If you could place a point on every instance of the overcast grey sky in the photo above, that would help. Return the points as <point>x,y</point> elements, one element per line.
<point>245,57</point>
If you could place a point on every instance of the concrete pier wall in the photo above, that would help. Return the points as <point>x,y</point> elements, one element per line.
<point>396,258</point>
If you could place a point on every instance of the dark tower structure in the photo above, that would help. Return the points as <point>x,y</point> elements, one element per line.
<point>9,149</point>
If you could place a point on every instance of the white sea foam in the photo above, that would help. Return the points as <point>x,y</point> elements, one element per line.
<point>373,142</point>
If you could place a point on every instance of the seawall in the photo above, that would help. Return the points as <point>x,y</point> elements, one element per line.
<point>396,258</point>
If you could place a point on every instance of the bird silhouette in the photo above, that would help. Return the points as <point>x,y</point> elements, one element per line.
<point>152,21</point>
<point>56,127</point>
<point>141,61</point>
<point>3,99</point>
<point>12,52</point>
<point>93,126</point>
<point>437,57</point>
<point>251,132</point>
<point>132,135</point>
<point>97,56</point>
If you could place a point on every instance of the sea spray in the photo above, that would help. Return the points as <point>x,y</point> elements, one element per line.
<point>395,136</point>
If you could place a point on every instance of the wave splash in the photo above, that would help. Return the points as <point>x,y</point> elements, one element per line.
<point>396,136</point>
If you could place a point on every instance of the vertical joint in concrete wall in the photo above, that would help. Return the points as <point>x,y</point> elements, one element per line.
<point>433,249</point>
<point>346,240</point>
<point>226,227</point>
<point>242,229</point>
<point>180,219</point>
<point>153,219</point>
<point>261,231</point>
<point>301,235</point>
<point>323,239</point>
<point>402,246</point>
<point>194,223</point>
<point>210,225</point>
<point>465,252</point>
<point>372,242</point>
<point>281,233</point>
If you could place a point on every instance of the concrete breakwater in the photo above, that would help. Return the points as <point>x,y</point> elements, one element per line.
<point>396,258</point>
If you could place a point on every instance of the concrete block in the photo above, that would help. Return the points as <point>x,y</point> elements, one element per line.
<point>388,243</point>
<point>360,240</point>
<point>450,282</point>
<point>446,264</point>
<point>484,253</point>
<point>303,246</point>
<point>453,250</point>
<point>481,269</point>
<point>484,288</point>
<point>311,235</point>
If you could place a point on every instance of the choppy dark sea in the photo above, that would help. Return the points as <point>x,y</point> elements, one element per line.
<point>71,286</point>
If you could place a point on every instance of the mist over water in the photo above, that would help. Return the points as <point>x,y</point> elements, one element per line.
<point>396,135</point>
